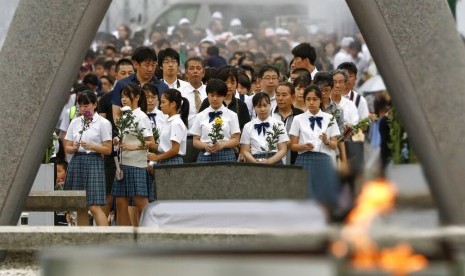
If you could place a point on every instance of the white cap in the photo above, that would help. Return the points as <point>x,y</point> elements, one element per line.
<point>346,41</point>
<point>217,15</point>
<point>184,21</point>
<point>236,22</point>
<point>269,32</point>
<point>282,32</point>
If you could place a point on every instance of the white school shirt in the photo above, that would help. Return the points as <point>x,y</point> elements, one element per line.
<point>301,128</point>
<point>251,137</point>
<point>137,158</point>
<point>349,110</point>
<point>188,93</point>
<point>98,132</point>
<point>174,130</point>
<point>362,107</point>
<point>160,119</point>
<point>177,84</point>
<point>202,127</point>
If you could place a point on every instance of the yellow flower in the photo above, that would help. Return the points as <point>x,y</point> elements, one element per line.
<point>218,121</point>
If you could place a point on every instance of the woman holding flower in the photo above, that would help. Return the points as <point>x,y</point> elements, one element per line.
<point>314,136</point>
<point>173,136</point>
<point>264,139</point>
<point>216,138</point>
<point>135,135</point>
<point>88,138</point>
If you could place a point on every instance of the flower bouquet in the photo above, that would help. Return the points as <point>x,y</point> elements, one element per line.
<point>127,124</point>
<point>352,130</point>
<point>216,133</point>
<point>272,139</point>
<point>86,120</point>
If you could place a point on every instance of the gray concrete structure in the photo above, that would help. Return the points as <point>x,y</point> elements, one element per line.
<point>40,58</point>
<point>236,181</point>
<point>422,60</point>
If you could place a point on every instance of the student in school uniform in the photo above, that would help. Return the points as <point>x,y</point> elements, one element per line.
<point>158,120</point>
<point>133,156</point>
<point>173,136</point>
<point>88,139</point>
<point>254,146</point>
<point>314,136</point>
<point>222,151</point>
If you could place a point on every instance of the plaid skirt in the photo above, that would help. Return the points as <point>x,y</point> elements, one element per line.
<point>177,159</point>
<point>323,180</point>
<point>224,155</point>
<point>134,183</point>
<point>86,172</point>
<point>264,156</point>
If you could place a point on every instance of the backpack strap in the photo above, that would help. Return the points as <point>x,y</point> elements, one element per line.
<point>357,100</point>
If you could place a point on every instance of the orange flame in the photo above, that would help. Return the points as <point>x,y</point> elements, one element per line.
<point>376,198</point>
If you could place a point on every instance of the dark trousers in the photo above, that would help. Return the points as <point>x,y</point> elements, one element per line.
<point>191,152</point>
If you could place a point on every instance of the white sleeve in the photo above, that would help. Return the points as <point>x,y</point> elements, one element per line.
<point>294,131</point>
<point>145,123</point>
<point>283,137</point>
<point>105,130</point>
<point>245,135</point>
<point>197,127</point>
<point>363,108</point>
<point>64,123</point>
<point>178,132</point>
<point>70,132</point>
<point>333,130</point>
<point>234,123</point>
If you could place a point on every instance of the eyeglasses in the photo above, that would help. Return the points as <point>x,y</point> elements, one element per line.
<point>269,78</point>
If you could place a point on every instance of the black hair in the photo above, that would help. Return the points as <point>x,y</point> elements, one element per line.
<point>244,81</point>
<point>87,97</point>
<point>108,64</point>
<point>217,86</point>
<point>302,81</point>
<point>199,59</point>
<point>349,67</point>
<point>323,78</point>
<point>133,90</point>
<point>288,85</point>
<point>90,54</point>
<point>110,79</point>
<point>305,50</point>
<point>266,68</point>
<point>61,162</point>
<point>99,61</point>
<point>149,87</point>
<point>123,61</point>
<point>225,72</point>
<point>257,98</point>
<point>90,79</point>
<point>316,90</point>
<point>144,53</point>
<point>182,104</point>
<point>302,72</point>
<point>168,52</point>
<point>247,67</point>
<point>210,73</point>
<point>213,50</point>
<point>110,47</point>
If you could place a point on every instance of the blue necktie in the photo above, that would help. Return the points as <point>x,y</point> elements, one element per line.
<point>314,119</point>
<point>152,117</point>
<point>214,114</point>
<point>262,127</point>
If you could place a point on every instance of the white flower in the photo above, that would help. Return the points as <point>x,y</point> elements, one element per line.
<point>125,108</point>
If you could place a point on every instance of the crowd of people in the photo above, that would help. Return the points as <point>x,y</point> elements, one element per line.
<point>283,97</point>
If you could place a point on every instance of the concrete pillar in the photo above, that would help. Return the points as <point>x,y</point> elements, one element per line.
<point>422,60</point>
<point>40,58</point>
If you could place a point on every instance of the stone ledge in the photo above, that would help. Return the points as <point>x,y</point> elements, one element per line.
<point>38,201</point>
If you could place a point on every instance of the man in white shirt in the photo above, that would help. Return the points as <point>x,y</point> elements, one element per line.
<point>344,54</point>
<point>349,93</point>
<point>168,60</point>
<point>305,57</point>
<point>350,112</point>
<point>269,80</point>
<point>195,93</point>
